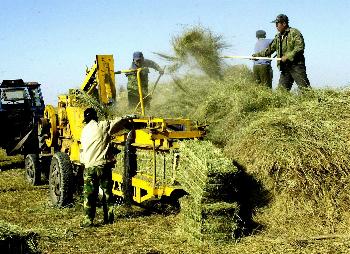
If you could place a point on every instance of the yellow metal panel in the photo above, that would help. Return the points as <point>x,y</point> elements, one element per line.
<point>161,131</point>
<point>117,177</point>
<point>50,114</point>
<point>143,137</point>
<point>75,117</point>
<point>87,85</point>
<point>178,134</point>
<point>139,185</point>
<point>75,151</point>
<point>106,78</point>
<point>62,99</point>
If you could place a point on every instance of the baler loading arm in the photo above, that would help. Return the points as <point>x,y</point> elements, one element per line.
<point>101,75</point>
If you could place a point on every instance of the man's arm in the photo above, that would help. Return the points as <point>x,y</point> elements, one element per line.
<point>119,123</point>
<point>151,64</point>
<point>115,125</point>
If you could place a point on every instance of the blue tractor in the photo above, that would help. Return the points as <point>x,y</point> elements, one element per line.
<point>21,107</point>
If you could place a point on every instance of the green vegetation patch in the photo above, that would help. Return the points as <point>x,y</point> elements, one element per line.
<point>7,162</point>
<point>13,239</point>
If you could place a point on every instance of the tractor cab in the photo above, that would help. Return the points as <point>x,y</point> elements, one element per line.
<point>21,106</point>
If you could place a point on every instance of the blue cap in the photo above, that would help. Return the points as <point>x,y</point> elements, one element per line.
<point>137,55</point>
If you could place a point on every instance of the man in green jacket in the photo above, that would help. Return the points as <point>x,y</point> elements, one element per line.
<point>289,46</point>
<point>133,93</point>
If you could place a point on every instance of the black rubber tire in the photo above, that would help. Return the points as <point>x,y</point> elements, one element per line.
<point>60,180</point>
<point>45,169</point>
<point>42,145</point>
<point>32,169</point>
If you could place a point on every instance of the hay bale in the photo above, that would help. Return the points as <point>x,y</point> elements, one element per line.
<point>15,240</point>
<point>208,213</point>
<point>144,157</point>
<point>202,221</point>
<point>206,175</point>
<point>204,172</point>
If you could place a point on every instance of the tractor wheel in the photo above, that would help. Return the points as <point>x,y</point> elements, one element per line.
<point>45,169</point>
<point>51,116</point>
<point>60,180</point>
<point>32,169</point>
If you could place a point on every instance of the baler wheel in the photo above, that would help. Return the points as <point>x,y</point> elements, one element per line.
<point>32,169</point>
<point>60,180</point>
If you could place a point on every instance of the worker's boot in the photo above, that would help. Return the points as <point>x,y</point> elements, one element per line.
<point>86,222</point>
<point>108,218</point>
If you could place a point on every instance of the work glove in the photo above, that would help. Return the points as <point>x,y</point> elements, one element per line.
<point>254,55</point>
<point>284,59</point>
<point>129,117</point>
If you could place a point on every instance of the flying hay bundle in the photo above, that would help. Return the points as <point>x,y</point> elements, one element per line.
<point>200,46</point>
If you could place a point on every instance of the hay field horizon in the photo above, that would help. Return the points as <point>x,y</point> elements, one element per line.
<point>291,151</point>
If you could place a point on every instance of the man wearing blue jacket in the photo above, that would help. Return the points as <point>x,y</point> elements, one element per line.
<point>262,68</point>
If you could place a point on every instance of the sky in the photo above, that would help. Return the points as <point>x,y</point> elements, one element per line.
<point>52,42</point>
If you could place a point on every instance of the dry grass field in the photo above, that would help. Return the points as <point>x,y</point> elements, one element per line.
<point>27,209</point>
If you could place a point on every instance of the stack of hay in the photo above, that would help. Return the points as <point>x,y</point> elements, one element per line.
<point>208,212</point>
<point>300,153</point>
<point>164,162</point>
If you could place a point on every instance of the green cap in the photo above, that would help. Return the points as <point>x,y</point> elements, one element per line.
<point>260,34</point>
<point>281,18</point>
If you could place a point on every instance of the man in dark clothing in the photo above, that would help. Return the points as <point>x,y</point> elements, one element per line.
<point>133,93</point>
<point>262,68</point>
<point>289,45</point>
<point>98,161</point>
